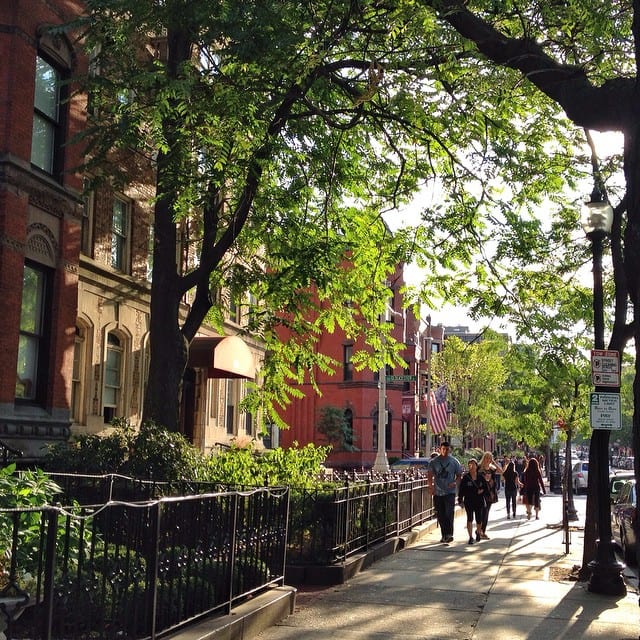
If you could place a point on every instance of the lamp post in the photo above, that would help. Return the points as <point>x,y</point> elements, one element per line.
<point>381,462</point>
<point>606,571</point>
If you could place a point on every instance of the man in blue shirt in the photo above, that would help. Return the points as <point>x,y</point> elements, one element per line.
<point>444,476</point>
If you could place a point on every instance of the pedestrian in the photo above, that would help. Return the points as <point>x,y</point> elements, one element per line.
<point>444,476</point>
<point>520,465</point>
<point>533,485</point>
<point>472,494</point>
<point>511,485</point>
<point>490,469</point>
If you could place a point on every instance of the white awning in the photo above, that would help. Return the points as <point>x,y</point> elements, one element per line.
<point>222,357</point>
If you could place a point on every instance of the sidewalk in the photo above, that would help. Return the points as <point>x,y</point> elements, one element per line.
<point>515,586</point>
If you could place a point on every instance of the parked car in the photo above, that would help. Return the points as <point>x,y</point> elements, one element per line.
<point>404,464</point>
<point>580,476</point>
<point>623,517</point>
<point>616,480</point>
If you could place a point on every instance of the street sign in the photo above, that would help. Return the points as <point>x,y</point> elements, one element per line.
<point>405,378</point>
<point>605,412</point>
<point>605,368</point>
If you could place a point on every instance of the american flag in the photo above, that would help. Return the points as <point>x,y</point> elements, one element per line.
<point>438,409</point>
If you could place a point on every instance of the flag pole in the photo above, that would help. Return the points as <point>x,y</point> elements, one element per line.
<point>428,416</point>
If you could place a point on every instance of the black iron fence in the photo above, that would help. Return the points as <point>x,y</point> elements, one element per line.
<point>328,525</point>
<point>148,561</point>
<point>135,570</point>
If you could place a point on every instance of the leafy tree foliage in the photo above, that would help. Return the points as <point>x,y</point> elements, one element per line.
<point>333,425</point>
<point>581,58</point>
<point>474,375</point>
<point>281,132</point>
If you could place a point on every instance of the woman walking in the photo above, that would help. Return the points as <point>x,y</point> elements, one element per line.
<point>533,485</point>
<point>489,469</point>
<point>472,494</point>
<point>511,485</point>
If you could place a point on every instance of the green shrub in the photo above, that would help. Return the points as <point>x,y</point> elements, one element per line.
<point>241,465</point>
<point>151,452</point>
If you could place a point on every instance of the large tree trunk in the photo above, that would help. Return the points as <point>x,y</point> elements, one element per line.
<point>169,349</point>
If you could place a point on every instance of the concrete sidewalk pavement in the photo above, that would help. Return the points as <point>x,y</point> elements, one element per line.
<point>517,585</point>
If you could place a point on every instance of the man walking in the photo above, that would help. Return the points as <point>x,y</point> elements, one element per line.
<point>444,476</point>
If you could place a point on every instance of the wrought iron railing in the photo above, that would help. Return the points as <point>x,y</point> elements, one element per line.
<point>330,524</point>
<point>130,570</point>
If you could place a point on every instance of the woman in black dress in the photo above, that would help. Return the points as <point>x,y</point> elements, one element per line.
<point>473,493</point>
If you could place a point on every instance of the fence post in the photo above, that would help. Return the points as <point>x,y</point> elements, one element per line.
<point>232,563</point>
<point>49,572</point>
<point>155,516</point>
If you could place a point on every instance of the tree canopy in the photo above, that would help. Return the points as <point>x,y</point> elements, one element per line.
<point>282,132</point>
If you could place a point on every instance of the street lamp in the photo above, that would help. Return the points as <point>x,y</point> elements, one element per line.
<point>606,572</point>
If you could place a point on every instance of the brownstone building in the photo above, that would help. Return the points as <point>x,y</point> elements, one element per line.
<point>74,264</point>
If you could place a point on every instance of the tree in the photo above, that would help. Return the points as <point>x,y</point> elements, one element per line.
<point>474,375</point>
<point>281,132</point>
<point>278,138</point>
<point>582,58</point>
<point>335,428</point>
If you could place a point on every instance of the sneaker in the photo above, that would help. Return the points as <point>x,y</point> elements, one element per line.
<point>471,540</point>
<point>449,539</point>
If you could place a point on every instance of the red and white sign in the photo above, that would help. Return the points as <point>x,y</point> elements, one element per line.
<point>605,368</point>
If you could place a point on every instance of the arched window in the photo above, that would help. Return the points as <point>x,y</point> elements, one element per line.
<point>112,388</point>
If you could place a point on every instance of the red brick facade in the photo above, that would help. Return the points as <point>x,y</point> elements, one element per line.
<point>358,397</point>
<point>95,314</point>
<point>39,222</point>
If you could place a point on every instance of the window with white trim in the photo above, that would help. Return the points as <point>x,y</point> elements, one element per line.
<point>46,135</point>
<point>230,406</point>
<point>77,375</point>
<point>120,234</point>
<point>112,386</point>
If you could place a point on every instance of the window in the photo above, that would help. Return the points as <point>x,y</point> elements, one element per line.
<point>46,133</point>
<point>119,234</point>
<point>150,255</point>
<point>230,407</point>
<point>112,377</point>
<point>348,432</point>
<point>86,232</point>
<point>234,311</point>
<point>77,375</point>
<point>32,351</point>
<point>347,367</point>
<point>272,438</point>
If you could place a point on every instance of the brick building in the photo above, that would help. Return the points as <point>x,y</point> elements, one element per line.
<point>357,393</point>
<point>74,264</point>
